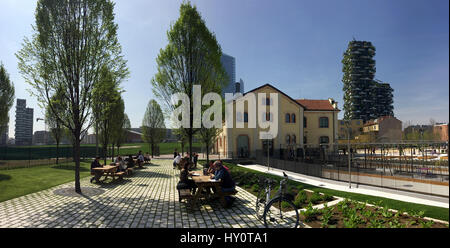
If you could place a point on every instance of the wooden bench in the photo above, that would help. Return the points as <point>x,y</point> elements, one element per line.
<point>229,193</point>
<point>184,194</point>
<point>119,174</point>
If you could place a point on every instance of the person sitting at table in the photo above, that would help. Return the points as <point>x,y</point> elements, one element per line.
<point>122,166</point>
<point>211,168</point>
<point>176,160</point>
<point>95,164</point>
<point>130,162</point>
<point>140,159</point>
<point>147,157</point>
<point>185,182</point>
<point>195,159</point>
<point>228,185</point>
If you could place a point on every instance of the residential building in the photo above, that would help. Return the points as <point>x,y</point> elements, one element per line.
<point>359,71</point>
<point>440,130</point>
<point>24,123</point>
<point>386,129</point>
<point>300,123</point>
<point>89,139</point>
<point>383,99</point>
<point>354,126</point>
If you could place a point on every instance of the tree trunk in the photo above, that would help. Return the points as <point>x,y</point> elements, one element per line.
<point>112,152</point>
<point>57,151</point>
<point>190,147</point>
<point>96,139</point>
<point>207,153</point>
<point>77,159</point>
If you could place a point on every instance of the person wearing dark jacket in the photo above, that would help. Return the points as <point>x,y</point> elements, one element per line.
<point>228,185</point>
<point>95,164</point>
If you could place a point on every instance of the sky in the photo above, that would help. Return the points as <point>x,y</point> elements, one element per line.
<point>297,46</point>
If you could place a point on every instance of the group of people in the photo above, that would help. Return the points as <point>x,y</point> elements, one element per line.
<point>123,163</point>
<point>216,171</point>
<point>177,158</point>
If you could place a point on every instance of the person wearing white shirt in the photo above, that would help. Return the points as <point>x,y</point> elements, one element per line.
<point>176,160</point>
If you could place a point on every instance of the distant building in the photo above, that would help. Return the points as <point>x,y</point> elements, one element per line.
<point>356,128</point>
<point>384,129</point>
<point>4,136</point>
<point>417,129</point>
<point>24,123</point>
<point>441,131</point>
<point>88,139</point>
<point>229,64</point>
<point>42,138</point>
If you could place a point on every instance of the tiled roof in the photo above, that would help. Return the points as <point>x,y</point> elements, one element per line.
<point>316,104</point>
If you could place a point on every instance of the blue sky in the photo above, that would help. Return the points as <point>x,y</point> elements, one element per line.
<point>295,45</point>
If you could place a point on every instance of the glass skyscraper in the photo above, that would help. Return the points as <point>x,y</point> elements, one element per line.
<point>24,123</point>
<point>229,64</point>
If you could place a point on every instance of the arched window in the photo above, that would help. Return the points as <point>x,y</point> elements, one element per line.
<point>245,117</point>
<point>304,121</point>
<point>293,118</point>
<point>288,118</point>
<point>324,140</point>
<point>323,122</point>
<point>294,139</point>
<point>288,139</point>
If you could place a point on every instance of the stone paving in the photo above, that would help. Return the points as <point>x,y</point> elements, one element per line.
<point>147,199</point>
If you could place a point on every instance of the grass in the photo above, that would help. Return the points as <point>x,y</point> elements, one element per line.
<point>430,211</point>
<point>23,181</point>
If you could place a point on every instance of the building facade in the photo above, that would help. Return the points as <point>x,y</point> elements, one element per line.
<point>299,123</point>
<point>355,128</point>
<point>24,123</point>
<point>441,131</point>
<point>383,99</point>
<point>386,129</point>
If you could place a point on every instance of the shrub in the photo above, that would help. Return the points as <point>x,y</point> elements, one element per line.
<point>285,205</point>
<point>255,187</point>
<point>300,198</point>
<point>315,198</point>
<point>327,197</point>
<point>310,213</point>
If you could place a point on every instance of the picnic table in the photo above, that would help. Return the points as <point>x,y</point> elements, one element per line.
<point>204,182</point>
<point>107,170</point>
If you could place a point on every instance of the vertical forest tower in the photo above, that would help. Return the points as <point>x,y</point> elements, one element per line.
<point>364,98</point>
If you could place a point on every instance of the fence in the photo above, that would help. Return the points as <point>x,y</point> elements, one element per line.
<point>29,156</point>
<point>421,167</point>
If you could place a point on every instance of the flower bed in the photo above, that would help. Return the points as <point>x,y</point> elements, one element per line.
<point>353,214</point>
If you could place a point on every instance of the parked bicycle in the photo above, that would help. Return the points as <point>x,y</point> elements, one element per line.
<point>278,211</point>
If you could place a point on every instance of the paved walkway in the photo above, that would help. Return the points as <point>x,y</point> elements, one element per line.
<point>360,189</point>
<point>148,199</point>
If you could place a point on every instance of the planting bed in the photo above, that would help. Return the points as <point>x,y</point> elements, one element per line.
<point>353,214</point>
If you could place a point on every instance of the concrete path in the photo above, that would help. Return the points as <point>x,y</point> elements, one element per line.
<point>148,199</point>
<point>360,189</point>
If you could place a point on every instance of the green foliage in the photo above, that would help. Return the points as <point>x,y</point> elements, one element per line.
<point>153,126</point>
<point>300,199</point>
<point>426,224</point>
<point>327,214</point>
<point>375,223</point>
<point>255,188</point>
<point>385,212</point>
<point>310,213</point>
<point>326,197</point>
<point>315,198</point>
<point>6,97</point>
<point>285,205</point>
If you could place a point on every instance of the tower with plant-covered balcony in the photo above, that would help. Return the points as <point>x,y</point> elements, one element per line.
<point>359,71</point>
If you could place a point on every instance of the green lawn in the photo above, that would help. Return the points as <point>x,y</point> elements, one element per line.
<point>430,211</point>
<point>19,182</point>
<point>164,148</point>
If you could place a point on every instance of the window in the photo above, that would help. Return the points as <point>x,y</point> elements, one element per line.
<point>245,117</point>
<point>288,139</point>
<point>288,118</point>
<point>293,118</point>
<point>304,140</point>
<point>294,139</point>
<point>267,101</point>
<point>324,140</point>
<point>304,122</point>
<point>323,122</point>
<point>269,116</point>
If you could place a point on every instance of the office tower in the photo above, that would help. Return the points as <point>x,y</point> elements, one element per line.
<point>383,99</point>
<point>24,123</point>
<point>229,64</point>
<point>359,71</point>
